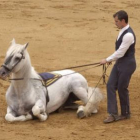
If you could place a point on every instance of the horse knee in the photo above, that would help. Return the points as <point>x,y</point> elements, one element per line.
<point>39,113</point>
<point>36,110</point>
<point>81,93</point>
<point>29,117</point>
<point>9,117</point>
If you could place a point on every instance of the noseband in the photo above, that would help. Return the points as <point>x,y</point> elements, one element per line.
<point>5,64</point>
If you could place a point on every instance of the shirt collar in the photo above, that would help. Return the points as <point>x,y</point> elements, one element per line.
<point>124,28</point>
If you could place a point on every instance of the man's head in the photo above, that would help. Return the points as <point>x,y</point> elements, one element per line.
<point>121,19</point>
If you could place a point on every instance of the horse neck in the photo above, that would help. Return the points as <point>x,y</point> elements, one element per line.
<point>26,73</point>
<point>23,73</point>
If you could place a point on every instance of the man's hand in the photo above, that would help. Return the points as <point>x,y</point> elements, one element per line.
<point>103,61</point>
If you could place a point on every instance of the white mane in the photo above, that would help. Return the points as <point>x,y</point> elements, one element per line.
<point>15,48</point>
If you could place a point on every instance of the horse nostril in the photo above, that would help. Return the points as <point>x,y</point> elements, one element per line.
<point>3,73</point>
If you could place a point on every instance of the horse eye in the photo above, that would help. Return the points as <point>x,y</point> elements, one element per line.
<point>17,58</point>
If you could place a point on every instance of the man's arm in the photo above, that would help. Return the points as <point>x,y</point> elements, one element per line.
<point>128,39</point>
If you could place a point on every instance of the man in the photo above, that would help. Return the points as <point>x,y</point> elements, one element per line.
<point>122,70</point>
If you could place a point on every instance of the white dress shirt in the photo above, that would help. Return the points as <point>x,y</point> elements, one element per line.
<point>127,40</point>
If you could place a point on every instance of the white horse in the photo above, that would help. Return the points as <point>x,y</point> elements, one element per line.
<point>27,97</point>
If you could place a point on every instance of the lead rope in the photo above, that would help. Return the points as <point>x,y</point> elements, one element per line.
<point>103,76</point>
<point>97,65</point>
<point>91,64</point>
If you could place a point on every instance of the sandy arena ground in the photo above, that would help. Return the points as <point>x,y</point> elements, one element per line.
<point>64,33</point>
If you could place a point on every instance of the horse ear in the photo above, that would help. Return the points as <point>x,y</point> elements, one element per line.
<point>13,41</point>
<point>26,45</point>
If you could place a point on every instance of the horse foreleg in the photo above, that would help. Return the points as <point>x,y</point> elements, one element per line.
<point>94,97</point>
<point>82,94</point>
<point>39,110</point>
<point>10,116</point>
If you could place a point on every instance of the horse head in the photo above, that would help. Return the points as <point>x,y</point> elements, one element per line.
<point>13,60</point>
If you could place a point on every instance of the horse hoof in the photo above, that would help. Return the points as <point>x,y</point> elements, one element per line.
<point>95,111</point>
<point>80,114</point>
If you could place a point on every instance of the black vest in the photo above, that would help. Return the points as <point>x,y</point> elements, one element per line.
<point>131,51</point>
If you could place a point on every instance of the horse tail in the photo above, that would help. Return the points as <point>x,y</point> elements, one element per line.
<point>95,96</point>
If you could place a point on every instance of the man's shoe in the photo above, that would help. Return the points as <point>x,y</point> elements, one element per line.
<point>111,118</point>
<point>122,117</point>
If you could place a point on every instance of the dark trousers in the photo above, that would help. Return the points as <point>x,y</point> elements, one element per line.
<point>119,81</point>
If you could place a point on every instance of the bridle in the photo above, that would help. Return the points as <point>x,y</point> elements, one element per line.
<point>10,69</point>
<point>9,59</point>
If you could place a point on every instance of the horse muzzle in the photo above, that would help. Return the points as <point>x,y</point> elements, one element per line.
<point>4,73</point>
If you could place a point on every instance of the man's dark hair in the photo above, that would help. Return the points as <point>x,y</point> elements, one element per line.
<point>121,15</point>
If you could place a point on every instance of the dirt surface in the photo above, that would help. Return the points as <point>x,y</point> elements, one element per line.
<point>63,34</point>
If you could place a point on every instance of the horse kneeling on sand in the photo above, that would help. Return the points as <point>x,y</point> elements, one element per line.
<point>27,97</point>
